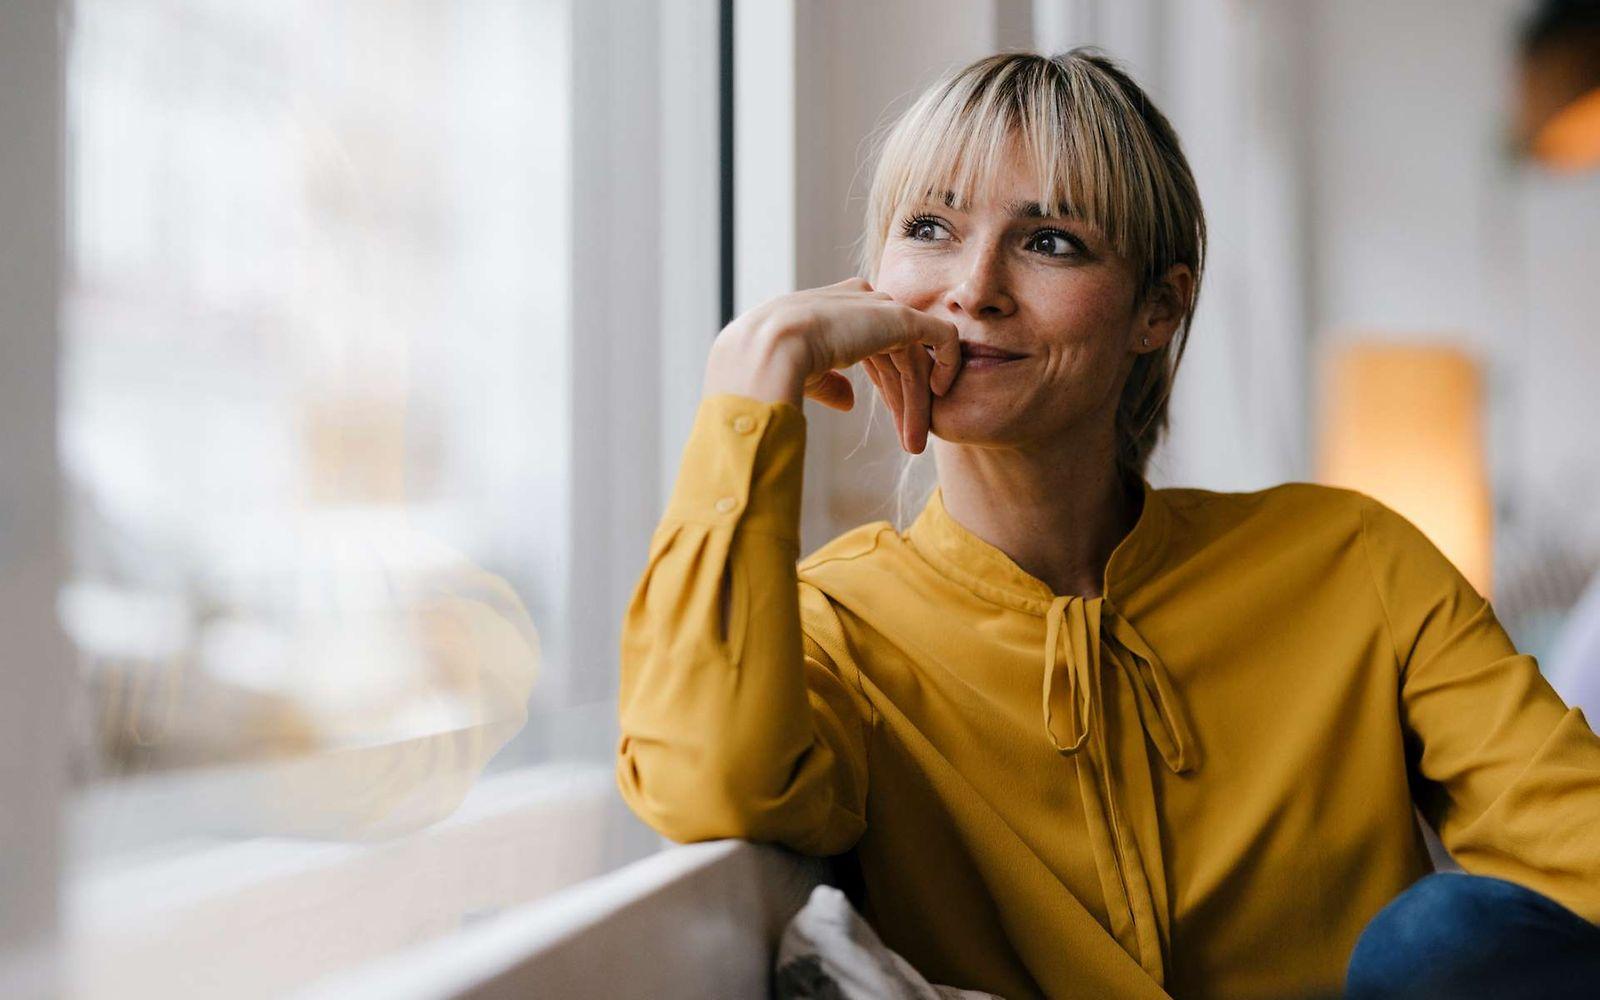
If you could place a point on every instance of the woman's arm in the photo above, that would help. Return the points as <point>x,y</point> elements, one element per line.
<point>735,722</point>
<point>1503,769</point>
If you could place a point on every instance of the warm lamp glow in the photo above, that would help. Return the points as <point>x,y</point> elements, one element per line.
<point>1402,423</point>
<point>1570,141</point>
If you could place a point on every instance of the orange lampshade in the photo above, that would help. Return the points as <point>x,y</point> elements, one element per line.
<point>1558,108</point>
<point>1570,139</point>
<point>1403,424</point>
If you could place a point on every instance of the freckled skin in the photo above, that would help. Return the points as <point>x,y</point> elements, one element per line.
<point>1000,280</point>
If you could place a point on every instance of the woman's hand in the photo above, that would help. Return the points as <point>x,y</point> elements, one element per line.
<point>793,346</point>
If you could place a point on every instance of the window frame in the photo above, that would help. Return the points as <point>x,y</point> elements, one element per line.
<point>34,681</point>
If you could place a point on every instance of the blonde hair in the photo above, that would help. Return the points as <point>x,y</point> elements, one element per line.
<point>1102,152</point>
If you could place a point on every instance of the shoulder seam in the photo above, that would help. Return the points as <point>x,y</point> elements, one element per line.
<point>1383,605</point>
<point>811,561</point>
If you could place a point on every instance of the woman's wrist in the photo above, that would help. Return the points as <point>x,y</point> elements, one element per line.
<point>767,363</point>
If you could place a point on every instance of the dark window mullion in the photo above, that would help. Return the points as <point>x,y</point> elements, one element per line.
<point>725,158</point>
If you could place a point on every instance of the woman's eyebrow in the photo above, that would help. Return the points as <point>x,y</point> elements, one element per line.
<point>1021,209</point>
<point>1032,210</point>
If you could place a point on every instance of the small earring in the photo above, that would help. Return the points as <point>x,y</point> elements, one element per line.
<point>1146,341</point>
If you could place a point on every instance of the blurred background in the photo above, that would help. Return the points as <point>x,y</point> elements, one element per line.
<point>348,348</point>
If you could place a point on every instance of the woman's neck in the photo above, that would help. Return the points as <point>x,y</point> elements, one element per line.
<point>1058,516</point>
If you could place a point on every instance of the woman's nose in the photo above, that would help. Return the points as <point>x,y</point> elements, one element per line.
<point>982,288</point>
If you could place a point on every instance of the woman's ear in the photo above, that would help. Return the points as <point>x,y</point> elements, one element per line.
<point>1164,308</point>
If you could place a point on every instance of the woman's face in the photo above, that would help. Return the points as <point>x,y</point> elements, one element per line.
<point>1049,289</point>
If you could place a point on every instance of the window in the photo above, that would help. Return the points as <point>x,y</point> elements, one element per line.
<point>342,566</point>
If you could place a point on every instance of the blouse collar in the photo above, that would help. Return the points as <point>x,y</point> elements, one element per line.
<point>984,569</point>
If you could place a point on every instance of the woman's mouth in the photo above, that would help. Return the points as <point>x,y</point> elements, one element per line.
<point>979,357</point>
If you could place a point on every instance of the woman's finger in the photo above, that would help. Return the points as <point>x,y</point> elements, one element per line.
<point>943,340</point>
<point>888,383</point>
<point>913,363</point>
<point>872,375</point>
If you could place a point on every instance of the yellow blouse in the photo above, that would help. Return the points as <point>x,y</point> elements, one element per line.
<point>1199,784</point>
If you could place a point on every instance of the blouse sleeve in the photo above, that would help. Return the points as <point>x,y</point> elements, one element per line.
<point>741,725</point>
<point>1505,772</point>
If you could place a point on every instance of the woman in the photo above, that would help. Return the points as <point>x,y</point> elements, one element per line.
<point>1084,737</point>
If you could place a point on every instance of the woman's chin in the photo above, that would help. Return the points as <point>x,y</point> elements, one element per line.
<point>963,419</point>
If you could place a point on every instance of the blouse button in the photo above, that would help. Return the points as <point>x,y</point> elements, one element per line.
<point>726,504</point>
<point>744,423</point>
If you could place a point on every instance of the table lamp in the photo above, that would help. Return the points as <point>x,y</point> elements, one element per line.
<point>1402,422</point>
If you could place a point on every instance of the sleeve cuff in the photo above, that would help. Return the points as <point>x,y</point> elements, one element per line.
<point>743,465</point>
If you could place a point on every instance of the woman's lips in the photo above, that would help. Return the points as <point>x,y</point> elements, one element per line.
<point>980,357</point>
<point>971,348</point>
<point>981,363</point>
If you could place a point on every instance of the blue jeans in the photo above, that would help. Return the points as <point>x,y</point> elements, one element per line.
<point>1459,936</point>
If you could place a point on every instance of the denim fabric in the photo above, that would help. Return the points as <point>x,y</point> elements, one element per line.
<point>1459,936</point>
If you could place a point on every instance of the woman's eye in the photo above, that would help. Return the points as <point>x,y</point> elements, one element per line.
<point>921,229</point>
<point>1063,244</point>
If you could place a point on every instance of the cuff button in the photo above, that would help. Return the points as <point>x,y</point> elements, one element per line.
<point>726,504</point>
<point>744,423</point>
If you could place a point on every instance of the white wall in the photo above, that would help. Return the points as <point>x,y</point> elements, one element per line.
<point>1227,75</point>
<point>1405,112</point>
<point>1554,463</point>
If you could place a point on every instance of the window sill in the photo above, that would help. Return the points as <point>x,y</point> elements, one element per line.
<point>694,920</point>
<point>265,916</point>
